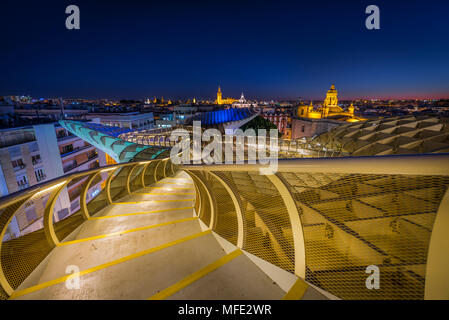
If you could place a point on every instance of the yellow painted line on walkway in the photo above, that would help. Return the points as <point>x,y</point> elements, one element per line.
<point>185,179</point>
<point>297,291</point>
<point>128,231</point>
<point>106,265</point>
<point>195,276</point>
<point>165,194</point>
<point>173,200</point>
<point>137,213</point>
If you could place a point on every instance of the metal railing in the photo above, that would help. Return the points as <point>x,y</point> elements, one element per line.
<point>324,220</point>
<point>22,253</point>
<point>296,148</point>
<point>327,220</point>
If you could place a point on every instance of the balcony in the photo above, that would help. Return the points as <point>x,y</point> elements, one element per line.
<point>23,186</point>
<point>66,137</point>
<point>75,151</point>
<point>36,162</point>
<point>19,167</point>
<point>72,166</point>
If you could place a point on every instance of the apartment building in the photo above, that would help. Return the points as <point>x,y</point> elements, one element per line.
<point>130,120</point>
<point>282,121</point>
<point>34,154</point>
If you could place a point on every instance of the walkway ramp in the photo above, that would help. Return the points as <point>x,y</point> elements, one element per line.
<point>151,245</point>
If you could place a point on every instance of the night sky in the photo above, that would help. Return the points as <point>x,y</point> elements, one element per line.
<point>184,49</point>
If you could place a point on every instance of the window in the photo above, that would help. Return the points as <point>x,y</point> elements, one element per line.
<point>18,164</point>
<point>40,174</point>
<point>22,181</point>
<point>303,128</point>
<point>36,159</point>
<point>66,149</point>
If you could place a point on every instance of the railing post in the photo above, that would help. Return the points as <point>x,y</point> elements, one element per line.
<point>155,170</point>
<point>49,229</point>
<point>238,208</point>
<point>197,198</point>
<point>437,278</point>
<point>128,178</point>
<point>165,166</point>
<point>213,209</point>
<point>143,173</point>
<point>83,201</point>
<point>172,168</point>
<point>295,221</point>
<point>108,185</point>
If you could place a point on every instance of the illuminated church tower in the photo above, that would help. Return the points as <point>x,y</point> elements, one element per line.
<point>329,108</point>
<point>220,99</point>
<point>331,101</point>
<point>219,96</point>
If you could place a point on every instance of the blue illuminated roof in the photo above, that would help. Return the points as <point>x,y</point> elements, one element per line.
<point>223,116</point>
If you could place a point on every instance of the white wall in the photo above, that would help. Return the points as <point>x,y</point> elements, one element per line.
<point>51,159</point>
<point>3,186</point>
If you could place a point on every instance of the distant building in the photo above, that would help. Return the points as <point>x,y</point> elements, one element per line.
<point>282,121</point>
<point>220,100</point>
<point>131,120</point>
<point>310,121</point>
<point>165,120</point>
<point>242,103</point>
<point>35,154</point>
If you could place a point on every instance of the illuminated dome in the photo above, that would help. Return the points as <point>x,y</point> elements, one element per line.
<point>396,135</point>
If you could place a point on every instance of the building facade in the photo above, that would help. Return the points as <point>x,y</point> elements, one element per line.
<point>313,120</point>
<point>35,154</point>
<point>283,122</point>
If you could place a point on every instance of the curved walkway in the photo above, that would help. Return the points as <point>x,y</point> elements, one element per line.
<point>151,245</point>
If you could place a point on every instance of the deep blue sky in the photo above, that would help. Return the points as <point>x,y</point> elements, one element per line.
<point>267,49</point>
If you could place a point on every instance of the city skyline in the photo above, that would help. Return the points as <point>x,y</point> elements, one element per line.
<point>267,51</point>
<point>212,99</point>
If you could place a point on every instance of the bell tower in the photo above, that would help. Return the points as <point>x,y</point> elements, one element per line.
<point>331,97</point>
<point>330,101</point>
<point>219,96</point>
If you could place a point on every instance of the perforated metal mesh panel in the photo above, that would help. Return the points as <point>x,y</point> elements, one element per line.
<point>64,227</point>
<point>351,221</point>
<point>118,183</point>
<point>267,232</point>
<point>99,202</point>
<point>21,255</point>
<point>168,169</point>
<point>226,218</point>
<point>205,213</point>
<point>135,181</point>
<point>160,170</point>
<point>149,173</point>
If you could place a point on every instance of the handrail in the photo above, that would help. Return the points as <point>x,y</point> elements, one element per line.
<point>436,164</point>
